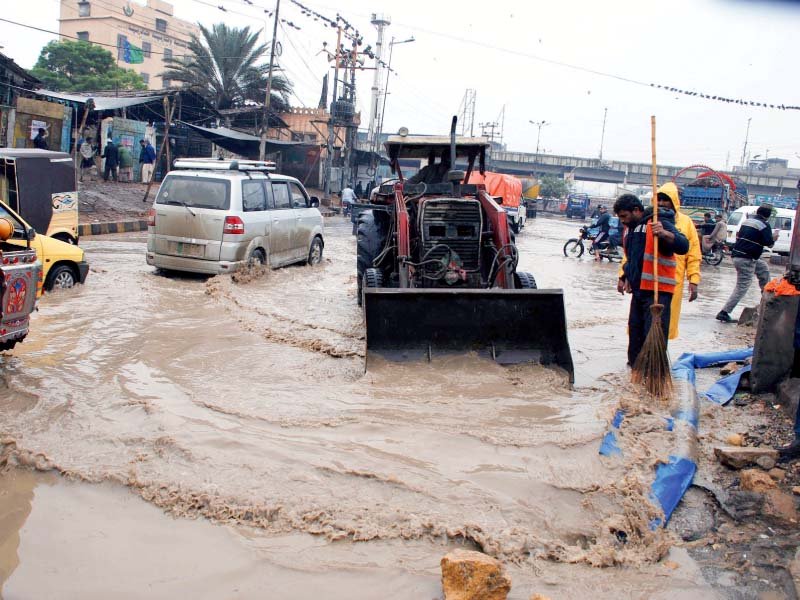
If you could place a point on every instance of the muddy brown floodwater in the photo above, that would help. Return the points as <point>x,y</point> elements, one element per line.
<point>180,435</point>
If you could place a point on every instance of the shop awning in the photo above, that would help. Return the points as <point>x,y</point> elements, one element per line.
<point>102,102</point>
<point>241,143</point>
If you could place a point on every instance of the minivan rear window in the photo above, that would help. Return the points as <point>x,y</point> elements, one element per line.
<point>196,192</point>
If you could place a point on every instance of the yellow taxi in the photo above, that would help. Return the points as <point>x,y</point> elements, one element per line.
<point>63,264</point>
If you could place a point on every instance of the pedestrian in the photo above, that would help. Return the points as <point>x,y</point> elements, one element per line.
<point>636,272</point>
<point>125,163</point>
<point>40,141</point>
<point>147,159</point>
<point>754,234</point>
<point>87,157</point>
<point>348,197</point>
<point>359,191</point>
<point>111,155</point>
<point>687,266</point>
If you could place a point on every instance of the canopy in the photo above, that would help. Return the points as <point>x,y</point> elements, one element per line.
<point>102,102</point>
<point>241,143</point>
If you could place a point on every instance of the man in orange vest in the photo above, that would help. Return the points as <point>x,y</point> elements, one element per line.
<point>637,275</point>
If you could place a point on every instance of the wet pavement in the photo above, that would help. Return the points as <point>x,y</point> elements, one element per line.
<point>141,402</point>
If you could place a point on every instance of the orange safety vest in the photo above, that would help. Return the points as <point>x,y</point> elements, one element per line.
<point>666,268</point>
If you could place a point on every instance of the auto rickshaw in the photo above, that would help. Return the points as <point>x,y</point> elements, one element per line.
<point>40,186</point>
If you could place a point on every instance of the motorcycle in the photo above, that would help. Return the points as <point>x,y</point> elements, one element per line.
<point>574,247</point>
<point>714,255</point>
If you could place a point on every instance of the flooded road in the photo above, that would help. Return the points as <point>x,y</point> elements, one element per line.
<point>141,401</point>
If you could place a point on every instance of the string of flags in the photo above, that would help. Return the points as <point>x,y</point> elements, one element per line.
<point>724,99</point>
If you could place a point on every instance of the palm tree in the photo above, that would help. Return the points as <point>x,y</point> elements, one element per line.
<point>224,68</point>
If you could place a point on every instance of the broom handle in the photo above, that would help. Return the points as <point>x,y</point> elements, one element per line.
<point>655,206</point>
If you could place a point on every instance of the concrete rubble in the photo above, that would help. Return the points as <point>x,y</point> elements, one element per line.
<point>469,575</point>
<point>737,457</point>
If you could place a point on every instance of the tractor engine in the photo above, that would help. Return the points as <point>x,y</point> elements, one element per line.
<point>450,242</point>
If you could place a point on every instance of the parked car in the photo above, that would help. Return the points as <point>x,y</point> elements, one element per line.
<point>212,216</point>
<point>19,276</point>
<point>63,264</point>
<point>782,221</point>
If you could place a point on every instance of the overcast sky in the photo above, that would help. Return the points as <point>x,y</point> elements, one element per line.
<point>510,54</point>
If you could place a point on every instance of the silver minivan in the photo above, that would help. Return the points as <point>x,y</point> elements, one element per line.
<point>214,216</point>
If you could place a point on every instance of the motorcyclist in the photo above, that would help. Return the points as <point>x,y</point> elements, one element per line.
<point>604,226</point>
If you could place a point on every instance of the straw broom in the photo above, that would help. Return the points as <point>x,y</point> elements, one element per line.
<point>652,365</point>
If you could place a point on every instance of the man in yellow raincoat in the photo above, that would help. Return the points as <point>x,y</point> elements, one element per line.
<point>688,265</point>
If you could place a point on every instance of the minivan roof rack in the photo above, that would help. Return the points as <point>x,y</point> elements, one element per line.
<point>215,164</point>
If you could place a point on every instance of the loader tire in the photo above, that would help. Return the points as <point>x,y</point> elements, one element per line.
<point>369,243</point>
<point>524,281</point>
<point>373,278</point>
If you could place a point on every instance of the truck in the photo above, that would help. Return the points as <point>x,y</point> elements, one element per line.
<point>710,192</point>
<point>20,271</point>
<point>506,191</point>
<point>577,205</point>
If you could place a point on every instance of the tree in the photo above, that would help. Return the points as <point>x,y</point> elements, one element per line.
<point>226,68</point>
<point>70,66</point>
<point>553,187</point>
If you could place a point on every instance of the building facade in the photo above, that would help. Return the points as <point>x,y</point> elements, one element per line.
<point>152,27</point>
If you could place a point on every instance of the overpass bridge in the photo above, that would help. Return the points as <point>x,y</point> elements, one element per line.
<point>625,173</point>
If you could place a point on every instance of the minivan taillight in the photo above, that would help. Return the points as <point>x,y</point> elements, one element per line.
<point>151,217</point>
<point>233,226</point>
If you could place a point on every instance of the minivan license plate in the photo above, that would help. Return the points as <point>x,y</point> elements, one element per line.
<point>193,250</point>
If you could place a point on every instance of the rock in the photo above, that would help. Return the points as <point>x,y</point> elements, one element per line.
<point>796,490</point>
<point>735,439</point>
<point>777,474</point>
<point>794,570</point>
<point>729,369</point>
<point>753,480</point>
<point>738,458</point>
<point>780,506</point>
<point>766,462</point>
<point>468,575</point>
<point>788,395</point>
<point>539,597</point>
<point>749,316</point>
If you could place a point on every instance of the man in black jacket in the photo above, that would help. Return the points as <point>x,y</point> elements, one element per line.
<point>670,242</point>
<point>111,154</point>
<point>754,234</point>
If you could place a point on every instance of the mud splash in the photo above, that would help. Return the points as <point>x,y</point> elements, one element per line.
<point>245,402</point>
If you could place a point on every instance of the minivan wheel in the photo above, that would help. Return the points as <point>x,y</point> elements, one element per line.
<point>257,257</point>
<point>315,253</point>
<point>62,277</point>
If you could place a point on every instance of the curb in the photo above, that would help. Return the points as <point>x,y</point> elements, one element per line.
<point>85,229</point>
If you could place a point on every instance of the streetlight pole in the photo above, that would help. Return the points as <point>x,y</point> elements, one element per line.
<point>603,134</point>
<point>746,136</point>
<point>538,124</point>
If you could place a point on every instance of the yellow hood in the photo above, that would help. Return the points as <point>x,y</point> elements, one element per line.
<point>671,190</point>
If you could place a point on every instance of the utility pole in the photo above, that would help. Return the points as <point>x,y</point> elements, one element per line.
<point>502,119</point>
<point>746,137</point>
<point>331,120</point>
<point>380,22</point>
<point>603,134</point>
<point>262,147</point>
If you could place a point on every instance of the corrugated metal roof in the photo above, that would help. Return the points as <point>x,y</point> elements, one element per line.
<point>102,102</point>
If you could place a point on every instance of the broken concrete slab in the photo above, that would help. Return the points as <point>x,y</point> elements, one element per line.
<point>469,575</point>
<point>749,316</point>
<point>737,457</point>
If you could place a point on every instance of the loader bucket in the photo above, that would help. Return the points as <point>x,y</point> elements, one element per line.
<point>509,326</point>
